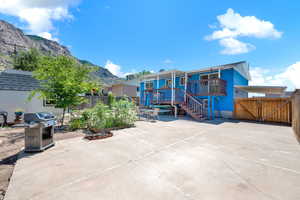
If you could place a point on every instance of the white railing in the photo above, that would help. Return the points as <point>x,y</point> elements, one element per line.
<point>192,104</point>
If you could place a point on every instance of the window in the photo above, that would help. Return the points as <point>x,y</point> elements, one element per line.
<point>149,85</point>
<point>209,76</point>
<point>204,77</point>
<point>48,103</point>
<point>213,76</point>
<point>169,83</point>
<point>182,80</point>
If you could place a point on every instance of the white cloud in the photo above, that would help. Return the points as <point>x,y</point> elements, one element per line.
<point>48,36</point>
<point>289,77</point>
<point>117,69</point>
<point>233,46</point>
<point>232,25</point>
<point>168,61</point>
<point>38,14</point>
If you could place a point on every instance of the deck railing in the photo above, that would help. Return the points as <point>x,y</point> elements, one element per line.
<point>164,95</point>
<point>207,87</point>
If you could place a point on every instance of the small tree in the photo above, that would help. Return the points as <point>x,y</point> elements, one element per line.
<point>110,99</point>
<point>27,60</point>
<point>63,80</point>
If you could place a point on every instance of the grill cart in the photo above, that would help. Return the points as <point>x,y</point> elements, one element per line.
<point>39,131</point>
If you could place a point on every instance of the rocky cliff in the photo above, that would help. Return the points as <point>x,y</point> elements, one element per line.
<point>13,40</point>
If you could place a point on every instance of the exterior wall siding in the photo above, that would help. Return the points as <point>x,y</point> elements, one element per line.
<point>239,80</point>
<point>220,104</point>
<point>12,100</point>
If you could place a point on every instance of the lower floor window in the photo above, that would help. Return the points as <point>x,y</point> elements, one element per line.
<point>48,103</point>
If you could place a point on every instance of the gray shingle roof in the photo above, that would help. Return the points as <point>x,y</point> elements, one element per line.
<point>17,82</point>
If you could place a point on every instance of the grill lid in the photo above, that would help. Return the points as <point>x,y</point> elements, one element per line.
<point>38,117</point>
<point>45,115</point>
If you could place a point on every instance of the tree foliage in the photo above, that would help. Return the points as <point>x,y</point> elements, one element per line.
<point>27,60</point>
<point>138,75</point>
<point>62,80</point>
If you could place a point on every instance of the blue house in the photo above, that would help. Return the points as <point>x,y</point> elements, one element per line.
<point>203,93</point>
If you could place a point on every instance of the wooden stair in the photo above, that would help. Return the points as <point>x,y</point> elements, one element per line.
<point>193,107</point>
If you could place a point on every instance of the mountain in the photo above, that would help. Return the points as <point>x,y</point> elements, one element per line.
<point>13,40</point>
<point>105,76</point>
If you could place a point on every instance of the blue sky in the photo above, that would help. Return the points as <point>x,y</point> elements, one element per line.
<point>133,35</point>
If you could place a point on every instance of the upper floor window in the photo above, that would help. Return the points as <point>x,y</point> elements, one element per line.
<point>182,80</point>
<point>213,76</point>
<point>209,76</point>
<point>204,77</point>
<point>149,85</point>
<point>169,83</point>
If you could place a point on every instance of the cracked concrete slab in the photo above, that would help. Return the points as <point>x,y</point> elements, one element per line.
<point>179,159</point>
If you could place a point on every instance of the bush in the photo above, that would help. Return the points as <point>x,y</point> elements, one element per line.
<point>124,113</point>
<point>120,113</point>
<point>77,123</point>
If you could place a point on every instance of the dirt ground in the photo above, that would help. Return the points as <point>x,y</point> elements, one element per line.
<point>11,143</point>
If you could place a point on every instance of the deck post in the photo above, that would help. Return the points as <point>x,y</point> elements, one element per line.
<point>157,87</point>
<point>185,86</point>
<point>172,88</point>
<point>173,93</point>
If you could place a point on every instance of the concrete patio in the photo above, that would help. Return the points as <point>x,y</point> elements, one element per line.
<point>179,159</point>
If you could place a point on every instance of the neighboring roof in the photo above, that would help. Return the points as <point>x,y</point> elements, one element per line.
<point>133,82</point>
<point>263,89</point>
<point>15,80</point>
<point>123,84</point>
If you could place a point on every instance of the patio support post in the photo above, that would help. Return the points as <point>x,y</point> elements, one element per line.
<point>157,87</point>
<point>185,86</point>
<point>173,93</point>
<point>172,89</point>
<point>144,93</point>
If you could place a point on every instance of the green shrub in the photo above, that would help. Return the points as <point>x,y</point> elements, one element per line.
<point>77,123</point>
<point>119,114</point>
<point>110,99</point>
<point>124,113</point>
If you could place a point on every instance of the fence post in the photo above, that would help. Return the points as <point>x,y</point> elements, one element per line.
<point>296,113</point>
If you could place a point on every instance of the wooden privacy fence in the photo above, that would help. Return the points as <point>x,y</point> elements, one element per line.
<point>296,113</point>
<point>264,109</point>
<point>91,101</point>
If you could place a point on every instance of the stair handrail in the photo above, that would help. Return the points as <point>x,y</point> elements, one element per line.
<point>190,96</point>
<point>194,101</point>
